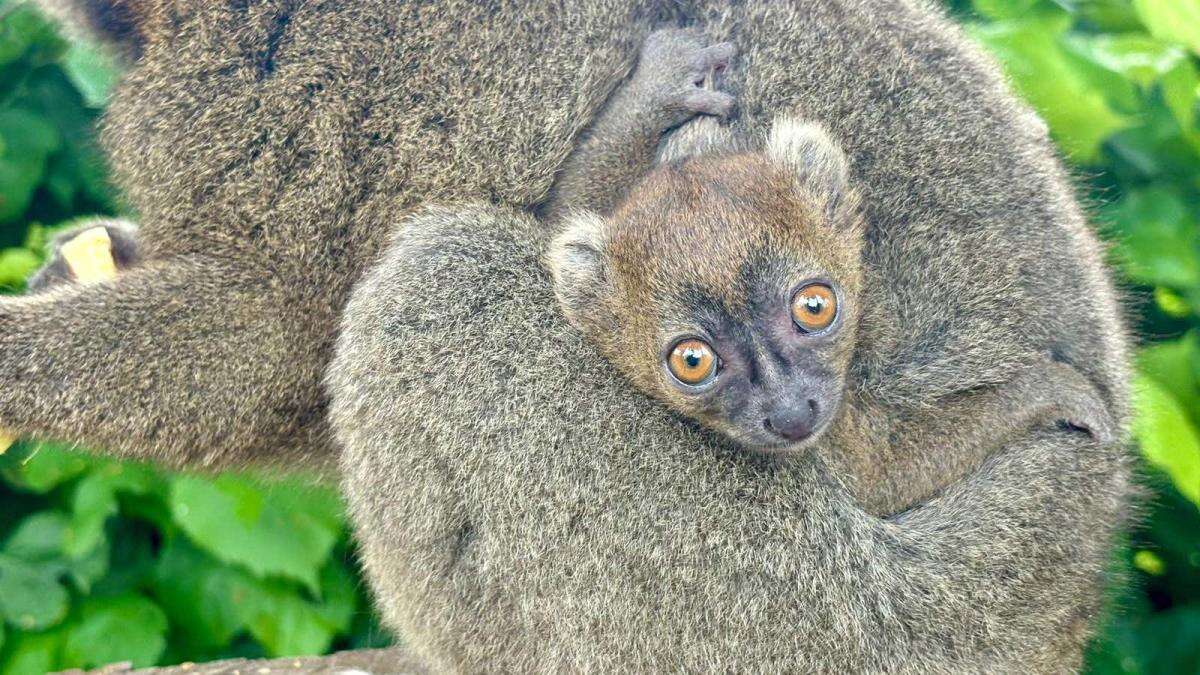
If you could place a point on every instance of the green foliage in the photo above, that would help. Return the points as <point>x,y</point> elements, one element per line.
<point>104,561</point>
<point>49,165</point>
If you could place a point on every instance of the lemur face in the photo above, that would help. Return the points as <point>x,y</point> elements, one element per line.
<point>769,372</point>
<point>726,287</point>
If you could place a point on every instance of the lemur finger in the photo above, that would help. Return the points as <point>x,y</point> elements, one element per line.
<point>709,102</point>
<point>716,57</point>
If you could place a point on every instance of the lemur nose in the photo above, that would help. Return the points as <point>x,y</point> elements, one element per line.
<point>794,423</point>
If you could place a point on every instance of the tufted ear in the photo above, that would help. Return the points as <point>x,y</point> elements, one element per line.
<point>820,166</point>
<point>578,261</point>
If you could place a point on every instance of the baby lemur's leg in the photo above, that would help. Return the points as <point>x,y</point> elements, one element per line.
<point>899,469</point>
<point>671,84</point>
<point>123,249</point>
<point>188,360</point>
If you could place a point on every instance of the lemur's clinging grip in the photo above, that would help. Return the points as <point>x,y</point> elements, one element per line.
<point>520,507</point>
<point>728,284</point>
<point>271,149</point>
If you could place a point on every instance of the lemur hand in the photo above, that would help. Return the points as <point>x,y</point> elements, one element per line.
<point>676,73</point>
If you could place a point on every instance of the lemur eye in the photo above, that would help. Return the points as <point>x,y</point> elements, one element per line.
<point>692,362</point>
<point>814,307</point>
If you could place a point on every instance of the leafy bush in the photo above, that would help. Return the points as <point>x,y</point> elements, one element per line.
<point>106,561</point>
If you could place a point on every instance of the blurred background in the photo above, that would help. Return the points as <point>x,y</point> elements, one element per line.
<point>103,561</point>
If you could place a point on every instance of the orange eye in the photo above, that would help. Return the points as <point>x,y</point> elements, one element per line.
<point>814,307</point>
<point>692,362</point>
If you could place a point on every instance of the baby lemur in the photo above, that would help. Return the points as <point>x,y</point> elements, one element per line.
<point>727,285</point>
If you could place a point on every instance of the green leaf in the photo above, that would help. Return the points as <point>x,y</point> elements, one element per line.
<point>1167,437</point>
<point>95,501</point>
<point>26,133</point>
<point>41,467</point>
<point>24,33</point>
<point>19,178</point>
<point>113,629</point>
<point>1119,91</point>
<point>206,599</point>
<point>229,518</point>
<point>129,556</point>
<point>38,538</point>
<point>1171,303</point>
<point>59,180</point>
<point>1155,148</point>
<point>1004,9</point>
<point>287,625</point>
<point>33,653</point>
<point>1032,54</point>
<point>31,597</point>
<point>1175,365</point>
<point>1149,562</point>
<point>1156,238</point>
<point>92,71</point>
<point>1181,92</point>
<point>211,602</point>
<point>1173,20</point>
<point>339,595</point>
<point>301,495</point>
<point>16,264</point>
<point>1165,642</point>
<point>1137,57</point>
<point>91,568</point>
<point>1112,16</point>
<point>1171,532</point>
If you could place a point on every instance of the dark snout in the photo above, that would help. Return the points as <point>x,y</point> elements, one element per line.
<point>794,421</point>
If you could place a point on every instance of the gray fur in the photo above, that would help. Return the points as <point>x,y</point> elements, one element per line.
<point>269,147</point>
<point>617,280</point>
<point>672,83</point>
<point>521,510</point>
<point>519,507</point>
<point>125,25</point>
<point>702,136</point>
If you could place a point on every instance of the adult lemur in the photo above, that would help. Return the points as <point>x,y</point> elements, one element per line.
<point>515,501</point>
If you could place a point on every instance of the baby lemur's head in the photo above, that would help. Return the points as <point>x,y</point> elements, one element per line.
<point>725,285</point>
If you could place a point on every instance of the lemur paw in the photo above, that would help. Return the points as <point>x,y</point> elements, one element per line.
<point>678,70</point>
<point>58,269</point>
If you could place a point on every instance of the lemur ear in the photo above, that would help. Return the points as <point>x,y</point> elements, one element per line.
<point>816,159</point>
<point>578,261</point>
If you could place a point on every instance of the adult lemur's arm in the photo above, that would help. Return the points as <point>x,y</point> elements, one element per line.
<point>519,504</point>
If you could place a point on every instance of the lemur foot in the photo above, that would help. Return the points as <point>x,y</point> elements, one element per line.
<point>59,269</point>
<point>677,69</point>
